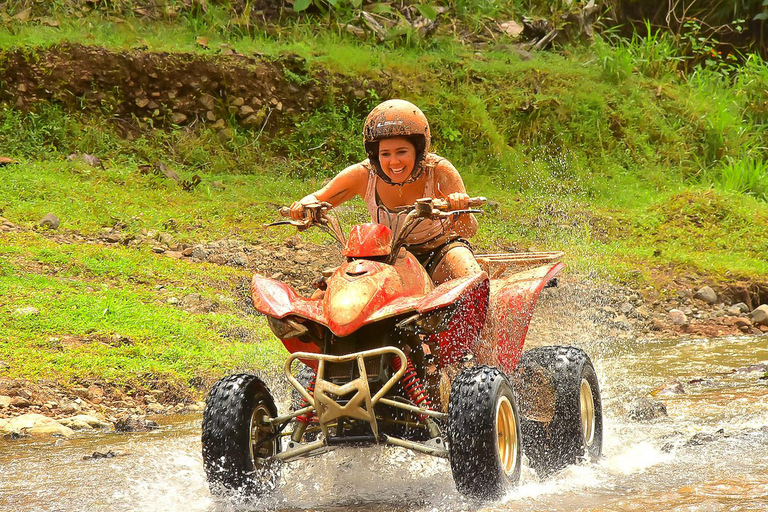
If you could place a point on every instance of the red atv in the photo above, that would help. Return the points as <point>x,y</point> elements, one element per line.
<point>390,358</point>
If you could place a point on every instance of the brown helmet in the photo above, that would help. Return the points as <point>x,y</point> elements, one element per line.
<point>397,118</point>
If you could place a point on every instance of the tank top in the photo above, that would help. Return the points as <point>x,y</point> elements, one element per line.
<point>427,234</point>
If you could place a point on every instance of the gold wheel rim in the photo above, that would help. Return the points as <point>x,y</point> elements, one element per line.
<point>587,406</point>
<point>506,430</point>
<point>259,430</point>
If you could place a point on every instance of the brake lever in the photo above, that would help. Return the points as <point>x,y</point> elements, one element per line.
<point>437,214</point>
<point>301,226</point>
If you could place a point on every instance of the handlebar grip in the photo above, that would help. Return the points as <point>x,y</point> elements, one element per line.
<point>474,202</point>
<point>443,205</point>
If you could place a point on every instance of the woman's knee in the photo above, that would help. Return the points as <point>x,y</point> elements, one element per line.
<point>457,262</point>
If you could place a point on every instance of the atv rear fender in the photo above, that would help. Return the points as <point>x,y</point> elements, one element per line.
<point>512,301</point>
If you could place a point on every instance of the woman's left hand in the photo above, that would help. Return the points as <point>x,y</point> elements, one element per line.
<point>458,201</point>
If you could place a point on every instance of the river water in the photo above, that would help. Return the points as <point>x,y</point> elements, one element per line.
<point>709,454</point>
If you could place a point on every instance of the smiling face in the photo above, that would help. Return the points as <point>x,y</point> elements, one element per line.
<point>397,157</point>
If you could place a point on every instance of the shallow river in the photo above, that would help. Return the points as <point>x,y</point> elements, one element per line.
<point>646,466</point>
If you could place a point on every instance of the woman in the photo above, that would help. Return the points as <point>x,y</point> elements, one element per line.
<point>398,171</point>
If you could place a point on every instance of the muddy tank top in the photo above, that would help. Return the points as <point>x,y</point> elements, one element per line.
<point>428,234</point>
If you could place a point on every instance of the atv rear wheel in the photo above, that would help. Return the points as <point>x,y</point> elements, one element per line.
<point>237,443</point>
<point>484,430</point>
<point>576,430</point>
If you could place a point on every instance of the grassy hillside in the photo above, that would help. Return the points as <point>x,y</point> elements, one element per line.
<point>605,151</point>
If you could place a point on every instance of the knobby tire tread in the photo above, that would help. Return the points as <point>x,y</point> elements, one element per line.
<point>552,446</point>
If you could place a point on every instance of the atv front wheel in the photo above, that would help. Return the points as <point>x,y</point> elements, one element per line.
<point>484,430</point>
<point>576,430</point>
<point>237,443</point>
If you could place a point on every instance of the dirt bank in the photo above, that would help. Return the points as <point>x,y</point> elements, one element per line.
<point>172,89</point>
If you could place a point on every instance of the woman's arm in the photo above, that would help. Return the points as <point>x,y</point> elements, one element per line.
<point>349,183</point>
<point>450,186</point>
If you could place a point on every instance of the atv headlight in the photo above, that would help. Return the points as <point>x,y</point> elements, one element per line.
<point>287,327</point>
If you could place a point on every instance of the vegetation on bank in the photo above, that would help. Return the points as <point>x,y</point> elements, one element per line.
<point>632,163</point>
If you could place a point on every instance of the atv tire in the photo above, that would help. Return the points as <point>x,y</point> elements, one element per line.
<point>575,432</point>
<point>484,432</point>
<point>231,431</point>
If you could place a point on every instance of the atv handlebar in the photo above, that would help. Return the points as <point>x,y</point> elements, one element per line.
<point>315,214</point>
<point>440,208</point>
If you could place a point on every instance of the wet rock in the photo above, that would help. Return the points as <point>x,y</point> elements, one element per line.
<point>34,424</point>
<point>135,424</point>
<point>760,315</point>
<point>670,388</point>
<point>706,294</point>
<point>100,455</point>
<point>50,221</point>
<point>703,437</point>
<point>645,409</point>
<point>26,311</point>
<point>761,367</point>
<point>84,422</point>
<point>677,317</point>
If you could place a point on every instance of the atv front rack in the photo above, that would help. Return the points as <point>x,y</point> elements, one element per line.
<point>360,405</point>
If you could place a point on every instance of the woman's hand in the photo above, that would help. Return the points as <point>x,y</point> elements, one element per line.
<point>297,207</point>
<point>458,201</point>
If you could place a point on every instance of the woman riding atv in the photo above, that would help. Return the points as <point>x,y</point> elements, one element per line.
<point>398,171</point>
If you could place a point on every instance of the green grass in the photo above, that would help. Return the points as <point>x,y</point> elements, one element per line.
<point>604,152</point>
<point>102,316</point>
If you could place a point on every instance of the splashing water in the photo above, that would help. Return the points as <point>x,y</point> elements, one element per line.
<point>707,454</point>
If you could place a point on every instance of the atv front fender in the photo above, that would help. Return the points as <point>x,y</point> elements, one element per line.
<point>278,300</point>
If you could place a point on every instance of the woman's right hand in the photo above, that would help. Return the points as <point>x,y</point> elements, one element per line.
<point>297,210</point>
<point>297,207</point>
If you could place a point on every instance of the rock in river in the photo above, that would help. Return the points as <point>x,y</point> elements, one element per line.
<point>84,422</point>
<point>34,424</point>
<point>645,409</point>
